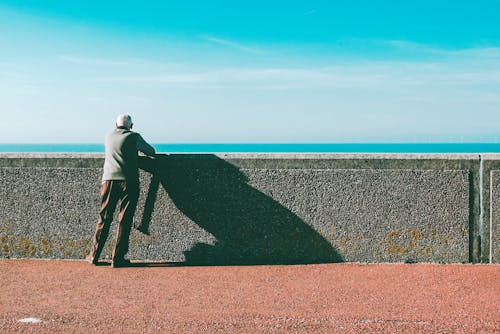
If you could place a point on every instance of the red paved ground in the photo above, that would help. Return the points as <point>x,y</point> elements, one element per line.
<point>73,296</point>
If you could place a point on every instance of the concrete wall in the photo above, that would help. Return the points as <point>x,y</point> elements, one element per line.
<point>491,204</point>
<point>262,208</point>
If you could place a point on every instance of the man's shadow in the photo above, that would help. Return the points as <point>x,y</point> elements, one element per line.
<point>249,226</point>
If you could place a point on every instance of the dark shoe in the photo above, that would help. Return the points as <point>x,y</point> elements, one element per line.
<point>91,260</point>
<point>143,230</point>
<point>121,263</point>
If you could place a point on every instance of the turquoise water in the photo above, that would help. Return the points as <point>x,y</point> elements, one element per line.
<point>272,148</point>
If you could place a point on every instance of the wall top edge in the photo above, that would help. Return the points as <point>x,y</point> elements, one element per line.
<point>491,156</point>
<point>51,155</point>
<point>333,156</point>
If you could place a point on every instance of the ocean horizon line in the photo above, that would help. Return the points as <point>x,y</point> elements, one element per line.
<point>371,147</point>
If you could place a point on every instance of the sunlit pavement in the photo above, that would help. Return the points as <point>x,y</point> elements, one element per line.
<point>38,296</point>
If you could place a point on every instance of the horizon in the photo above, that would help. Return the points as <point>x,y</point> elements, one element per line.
<point>349,148</point>
<point>492,141</point>
<point>251,72</point>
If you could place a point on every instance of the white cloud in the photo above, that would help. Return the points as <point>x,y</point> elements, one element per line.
<point>369,75</point>
<point>420,49</point>
<point>234,45</point>
<point>90,61</point>
<point>324,100</point>
<point>108,62</point>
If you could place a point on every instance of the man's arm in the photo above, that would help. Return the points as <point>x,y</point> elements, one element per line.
<point>144,147</point>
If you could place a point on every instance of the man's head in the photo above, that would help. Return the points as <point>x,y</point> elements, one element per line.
<point>124,121</point>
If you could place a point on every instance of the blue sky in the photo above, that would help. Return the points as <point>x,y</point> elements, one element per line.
<point>251,71</point>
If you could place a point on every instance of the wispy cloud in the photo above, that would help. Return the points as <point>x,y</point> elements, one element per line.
<point>374,75</point>
<point>407,45</point>
<point>12,69</point>
<point>107,62</point>
<point>9,64</point>
<point>234,45</point>
<point>166,78</point>
<point>79,60</point>
<point>444,70</point>
<point>431,50</point>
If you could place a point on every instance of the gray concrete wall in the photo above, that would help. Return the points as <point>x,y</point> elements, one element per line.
<point>491,204</point>
<point>260,208</point>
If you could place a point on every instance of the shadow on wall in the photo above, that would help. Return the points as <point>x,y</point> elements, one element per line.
<point>249,226</point>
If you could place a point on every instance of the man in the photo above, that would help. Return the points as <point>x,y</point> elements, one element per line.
<point>120,185</point>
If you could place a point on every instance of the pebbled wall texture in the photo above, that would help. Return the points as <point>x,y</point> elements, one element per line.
<point>491,203</point>
<point>231,209</point>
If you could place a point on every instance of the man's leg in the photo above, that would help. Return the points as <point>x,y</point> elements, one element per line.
<point>109,199</point>
<point>128,203</point>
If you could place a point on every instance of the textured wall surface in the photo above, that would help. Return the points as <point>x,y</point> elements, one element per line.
<point>495,216</point>
<point>249,209</point>
<point>490,230</point>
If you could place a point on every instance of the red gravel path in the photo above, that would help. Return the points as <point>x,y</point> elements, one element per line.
<point>73,296</point>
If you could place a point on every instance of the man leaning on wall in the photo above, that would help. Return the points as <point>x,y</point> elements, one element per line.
<point>120,186</point>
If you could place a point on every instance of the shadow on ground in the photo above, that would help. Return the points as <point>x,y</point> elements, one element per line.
<point>249,226</point>
<point>148,264</point>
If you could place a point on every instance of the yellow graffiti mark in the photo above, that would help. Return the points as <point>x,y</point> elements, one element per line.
<point>395,249</point>
<point>27,249</point>
<point>24,247</point>
<point>416,235</point>
<point>391,235</point>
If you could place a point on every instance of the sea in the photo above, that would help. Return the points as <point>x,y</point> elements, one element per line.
<point>269,148</point>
